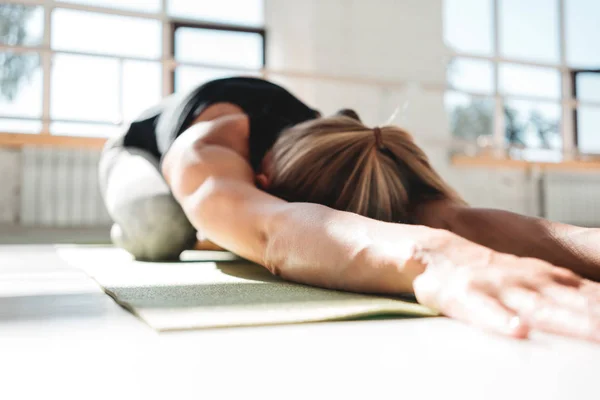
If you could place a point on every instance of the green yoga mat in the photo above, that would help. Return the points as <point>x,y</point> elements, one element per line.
<point>215,290</point>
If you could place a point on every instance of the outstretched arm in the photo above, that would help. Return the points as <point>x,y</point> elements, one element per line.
<point>307,243</point>
<point>573,247</point>
<point>316,245</point>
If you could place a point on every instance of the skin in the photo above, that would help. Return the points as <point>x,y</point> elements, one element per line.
<point>474,265</point>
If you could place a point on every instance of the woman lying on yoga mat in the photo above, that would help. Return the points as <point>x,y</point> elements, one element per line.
<point>332,203</point>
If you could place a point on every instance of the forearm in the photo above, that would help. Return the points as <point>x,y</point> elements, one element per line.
<point>315,245</point>
<point>559,244</point>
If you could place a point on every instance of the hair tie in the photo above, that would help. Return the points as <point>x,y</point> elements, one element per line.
<point>378,137</point>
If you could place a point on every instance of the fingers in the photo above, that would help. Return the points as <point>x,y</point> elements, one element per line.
<point>488,313</point>
<point>468,302</point>
<point>427,287</point>
<point>566,277</point>
<point>567,297</point>
<point>510,301</point>
<point>556,309</point>
<point>591,290</point>
<point>560,320</point>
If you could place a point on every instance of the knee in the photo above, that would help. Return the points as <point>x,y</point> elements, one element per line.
<point>153,229</point>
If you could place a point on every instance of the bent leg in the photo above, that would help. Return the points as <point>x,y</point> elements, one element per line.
<point>149,223</point>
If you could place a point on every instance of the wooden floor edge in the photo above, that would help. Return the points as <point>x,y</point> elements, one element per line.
<point>40,139</point>
<point>492,162</point>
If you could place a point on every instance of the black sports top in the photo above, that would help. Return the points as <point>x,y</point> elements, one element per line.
<point>270,109</point>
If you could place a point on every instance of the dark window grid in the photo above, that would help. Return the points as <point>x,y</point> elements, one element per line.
<point>216,27</point>
<point>574,73</point>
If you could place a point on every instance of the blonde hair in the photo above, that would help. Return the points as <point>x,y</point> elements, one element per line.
<point>339,162</point>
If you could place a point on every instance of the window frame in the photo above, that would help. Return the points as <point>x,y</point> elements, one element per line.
<point>177,23</point>
<point>567,101</point>
<point>167,61</point>
<point>574,73</point>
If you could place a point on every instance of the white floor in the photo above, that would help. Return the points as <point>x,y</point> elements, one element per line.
<point>62,337</point>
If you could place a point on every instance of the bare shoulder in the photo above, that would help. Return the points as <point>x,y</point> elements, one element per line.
<point>218,110</point>
<point>230,131</point>
<point>209,149</point>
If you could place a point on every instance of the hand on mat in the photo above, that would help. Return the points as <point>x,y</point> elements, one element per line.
<point>511,295</point>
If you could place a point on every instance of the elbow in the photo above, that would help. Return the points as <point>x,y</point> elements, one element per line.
<point>285,237</point>
<point>275,236</point>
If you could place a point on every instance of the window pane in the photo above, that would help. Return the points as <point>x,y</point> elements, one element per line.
<point>85,88</point>
<point>583,31</point>
<point>588,129</point>
<point>188,77</point>
<point>142,87</point>
<point>529,81</point>
<point>471,118</point>
<point>529,30</point>
<point>78,129</point>
<point>21,25</point>
<point>471,75</point>
<point>106,34</point>
<point>222,48</point>
<point>468,25</point>
<point>588,86</point>
<point>236,12</point>
<point>20,126</point>
<point>20,85</point>
<point>136,5</point>
<point>533,124</point>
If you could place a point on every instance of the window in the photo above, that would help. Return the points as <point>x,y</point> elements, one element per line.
<point>88,32</point>
<point>205,52</point>
<point>586,89</point>
<point>471,75</point>
<point>471,118</point>
<point>469,32</point>
<point>526,74</point>
<point>134,5</point>
<point>21,25</point>
<point>528,30</point>
<point>582,32</point>
<point>99,63</point>
<point>248,13</point>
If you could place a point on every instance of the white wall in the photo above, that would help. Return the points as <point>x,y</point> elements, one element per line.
<point>373,39</point>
